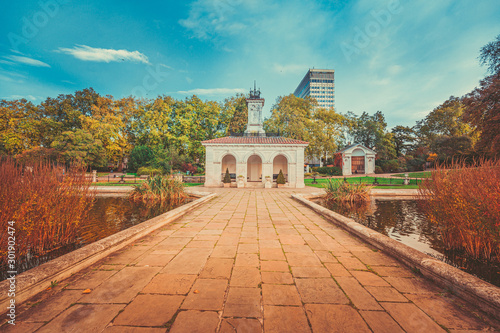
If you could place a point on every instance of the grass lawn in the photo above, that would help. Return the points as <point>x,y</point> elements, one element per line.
<point>423,174</point>
<point>131,183</point>
<point>367,180</point>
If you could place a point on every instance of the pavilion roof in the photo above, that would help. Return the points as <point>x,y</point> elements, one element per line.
<point>273,140</point>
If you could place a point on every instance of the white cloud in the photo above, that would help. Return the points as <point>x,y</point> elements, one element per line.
<point>28,97</point>
<point>27,61</point>
<point>213,91</point>
<point>87,53</point>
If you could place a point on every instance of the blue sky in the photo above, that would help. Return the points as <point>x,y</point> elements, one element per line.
<point>400,57</point>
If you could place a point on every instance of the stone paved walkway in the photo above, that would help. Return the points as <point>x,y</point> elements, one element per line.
<point>249,261</point>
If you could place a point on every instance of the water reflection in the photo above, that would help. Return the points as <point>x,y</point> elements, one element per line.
<point>403,220</point>
<point>108,216</point>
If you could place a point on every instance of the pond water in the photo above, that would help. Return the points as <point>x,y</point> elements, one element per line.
<point>108,216</point>
<point>404,221</point>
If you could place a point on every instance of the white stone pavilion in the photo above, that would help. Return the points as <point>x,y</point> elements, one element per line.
<point>254,155</point>
<point>357,159</point>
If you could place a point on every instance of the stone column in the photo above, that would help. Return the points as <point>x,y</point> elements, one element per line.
<point>267,170</point>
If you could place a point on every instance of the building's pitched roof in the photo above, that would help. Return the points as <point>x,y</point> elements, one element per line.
<point>355,145</point>
<point>273,140</point>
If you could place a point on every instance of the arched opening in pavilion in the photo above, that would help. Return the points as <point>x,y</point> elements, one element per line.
<point>229,163</point>
<point>254,169</point>
<point>280,162</point>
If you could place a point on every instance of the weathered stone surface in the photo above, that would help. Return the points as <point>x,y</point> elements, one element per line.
<point>280,295</point>
<point>92,317</point>
<point>310,272</point>
<point>320,291</point>
<point>221,251</point>
<point>188,261</point>
<point>337,269</point>
<point>335,318</point>
<point>155,260</point>
<point>206,294</point>
<point>272,254</point>
<point>243,302</point>
<point>446,312</point>
<point>411,318</point>
<point>381,322</point>
<point>131,329</point>
<point>122,287</point>
<point>91,280</point>
<point>149,310</point>
<point>278,319</point>
<point>357,294</point>
<point>245,277</point>
<point>217,268</point>
<point>369,279</point>
<point>51,307</point>
<point>195,322</point>
<point>277,277</point>
<point>274,266</point>
<point>386,294</point>
<point>232,325</point>
<point>170,284</point>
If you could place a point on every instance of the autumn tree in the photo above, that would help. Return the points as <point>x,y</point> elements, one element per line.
<point>482,105</point>
<point>445,120</point>
<point>235,114</point>
<point>482,110</point>
<point>80,147</point>
<point>18,126</point>
<point>326,132</point>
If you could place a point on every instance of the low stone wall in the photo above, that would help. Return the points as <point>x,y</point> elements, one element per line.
<point>37,279</point>
<point>476,291</point>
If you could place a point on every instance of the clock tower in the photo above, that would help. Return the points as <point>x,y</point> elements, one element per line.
<point>254,105</point>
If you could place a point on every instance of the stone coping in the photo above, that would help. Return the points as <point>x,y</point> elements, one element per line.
<point>37,279</point>
<point>478,292</point>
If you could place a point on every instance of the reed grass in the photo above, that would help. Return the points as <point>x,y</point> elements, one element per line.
<point>159,189</point>
<point>464,201</point>
<point>44,204</point>
<point>339,191</point>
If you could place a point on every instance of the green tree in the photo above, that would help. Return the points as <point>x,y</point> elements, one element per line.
<point>80,147</point>
<point>326,131</point>
<point>140,156</point>
<point>371,132</point>
<point>403,137</point>
<point>490,56</point>
<point>235,114</point>
<point>445,120</point>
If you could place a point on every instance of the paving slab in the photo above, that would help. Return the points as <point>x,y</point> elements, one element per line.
<point>251,260</point>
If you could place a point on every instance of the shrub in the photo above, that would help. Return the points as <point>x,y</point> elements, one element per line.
<point>307,174</point>
<point>139,157</point>
<point>45,204</point>
<point>189,167</point>
<point>468,217</point>
<point>416,164</point>
<point>341,191</point>
<point>281,178</point>
<point>391,166</point>
<point>149,171</point>
<point>227,177</point>
<point>331,171</point>
<point>159,189</point>
<point>378,169</point>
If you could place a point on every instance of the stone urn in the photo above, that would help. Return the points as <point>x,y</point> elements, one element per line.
<point>240,183</point>
<point>268,183</point>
